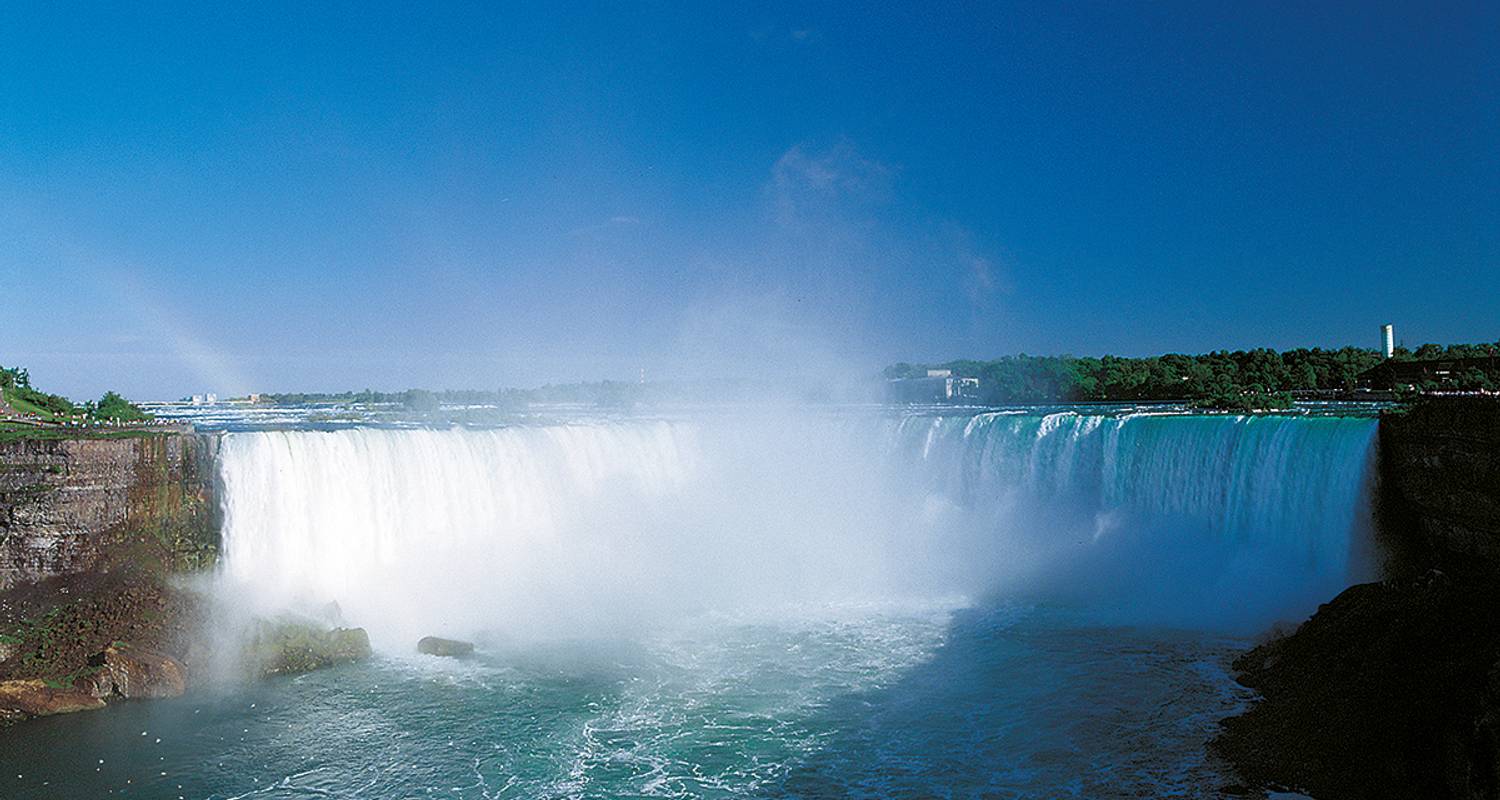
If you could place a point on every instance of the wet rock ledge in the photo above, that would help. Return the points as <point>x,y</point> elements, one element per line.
<point>71,643</point>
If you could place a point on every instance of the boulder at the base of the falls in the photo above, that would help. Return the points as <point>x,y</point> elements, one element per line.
<point>37,698</point>
<point>287,646</point>
<point>438,646</point>
<point>119,671</point>
<point>135,673</point>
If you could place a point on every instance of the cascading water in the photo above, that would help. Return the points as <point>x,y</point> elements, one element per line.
<point>1211,521</point>
<point>1215,521</point>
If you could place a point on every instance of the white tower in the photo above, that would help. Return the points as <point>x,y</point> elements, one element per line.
<point>1388,340</point>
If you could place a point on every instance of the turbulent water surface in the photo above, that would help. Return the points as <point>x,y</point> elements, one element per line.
<point>764,605</point>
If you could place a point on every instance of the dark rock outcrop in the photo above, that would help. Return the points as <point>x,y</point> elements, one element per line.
<point>1440,485</point>
<point>1392,690</point>
<point>437,646</point>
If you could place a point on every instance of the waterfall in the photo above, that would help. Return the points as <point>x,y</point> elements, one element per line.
<point>1183,519</point>
<point>594,527</point>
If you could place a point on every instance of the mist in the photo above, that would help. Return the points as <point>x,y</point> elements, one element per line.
<point>598,529</point>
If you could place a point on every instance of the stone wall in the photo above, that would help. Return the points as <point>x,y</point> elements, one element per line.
<point>70,506</point>
<point>1440,478</point>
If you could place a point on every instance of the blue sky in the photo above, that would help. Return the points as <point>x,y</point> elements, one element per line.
<point>342,196</point>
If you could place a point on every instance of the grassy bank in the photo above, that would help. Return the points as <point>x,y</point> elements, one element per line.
<point>10,432</point>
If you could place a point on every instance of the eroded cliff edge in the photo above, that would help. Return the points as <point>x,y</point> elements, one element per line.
<point>97,539</point>
<point>1392,689</point>
<point>72,506</point>
<point>104,545</point>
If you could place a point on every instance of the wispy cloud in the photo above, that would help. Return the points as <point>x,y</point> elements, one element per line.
<point>780,33</point>
<point>616,222</point>
<point>811,183</point>
<point>842,219</point>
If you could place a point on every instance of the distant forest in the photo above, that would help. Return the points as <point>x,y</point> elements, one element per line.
<point>1260,378</point>
<point>1242,379</point>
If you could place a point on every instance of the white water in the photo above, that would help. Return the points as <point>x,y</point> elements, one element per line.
<point>595,529</point>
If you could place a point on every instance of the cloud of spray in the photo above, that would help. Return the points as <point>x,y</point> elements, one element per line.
<point>818,290</point>
<point>599,529</point>
<point>579,530</point>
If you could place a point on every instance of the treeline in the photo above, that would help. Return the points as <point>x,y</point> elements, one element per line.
<point>1260,378</point>
<point>20,395</point>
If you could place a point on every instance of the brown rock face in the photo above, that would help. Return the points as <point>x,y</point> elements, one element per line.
<point>92,530</point>
<point>70,506</point>
<point>136,673</point>
<point>36,699</point>
<point>61,627</point>
<point>119,671</point>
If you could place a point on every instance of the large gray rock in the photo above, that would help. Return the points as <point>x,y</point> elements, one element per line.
<point>437,646</point>
<point>288,646</point>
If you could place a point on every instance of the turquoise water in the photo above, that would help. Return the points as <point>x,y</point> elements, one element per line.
<point>995,605</point>
<point>1001,702</point>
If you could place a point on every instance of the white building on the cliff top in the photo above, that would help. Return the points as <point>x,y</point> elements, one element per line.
<point>940,386</point>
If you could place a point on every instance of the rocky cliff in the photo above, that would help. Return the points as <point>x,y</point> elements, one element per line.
<point>94,532</point>
<point>96,536</point>
<point>1440,479</point>
<point>1392,689</point>
<point>70,506</point>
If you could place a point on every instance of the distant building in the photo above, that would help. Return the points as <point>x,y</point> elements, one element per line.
<point>940,386</point>
<point>1388,340</point>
